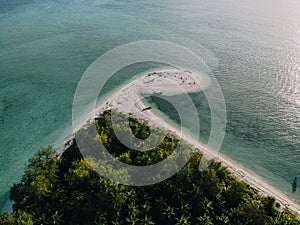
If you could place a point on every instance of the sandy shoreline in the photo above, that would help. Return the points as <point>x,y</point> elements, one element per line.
<point>168,82</point>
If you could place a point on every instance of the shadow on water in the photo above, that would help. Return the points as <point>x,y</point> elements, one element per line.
<point>5,203</point>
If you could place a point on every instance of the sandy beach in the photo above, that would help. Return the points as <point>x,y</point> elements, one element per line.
<point>168,82</point>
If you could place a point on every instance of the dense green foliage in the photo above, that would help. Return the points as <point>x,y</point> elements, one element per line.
<point>67,190</point>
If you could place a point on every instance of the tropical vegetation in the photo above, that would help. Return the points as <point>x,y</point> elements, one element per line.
<point>68,190</point>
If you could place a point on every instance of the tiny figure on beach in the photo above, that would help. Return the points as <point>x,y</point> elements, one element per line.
<point>294,185</point>
<point>144,109</point>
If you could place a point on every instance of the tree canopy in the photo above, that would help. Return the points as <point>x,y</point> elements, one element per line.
<point>67,190</point>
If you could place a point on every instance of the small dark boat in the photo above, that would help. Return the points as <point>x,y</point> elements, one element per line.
<point>144,109</point>
<point>294,185</point>
<point>157,93</point>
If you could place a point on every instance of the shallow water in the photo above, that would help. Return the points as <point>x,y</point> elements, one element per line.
<point>47,45</point>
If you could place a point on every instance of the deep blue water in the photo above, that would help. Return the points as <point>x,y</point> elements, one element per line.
<point>46,45</point>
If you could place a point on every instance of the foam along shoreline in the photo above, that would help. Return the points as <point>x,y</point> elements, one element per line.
<point>170,82</point>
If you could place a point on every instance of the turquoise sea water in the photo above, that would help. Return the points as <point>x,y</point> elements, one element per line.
<point>46,45</point>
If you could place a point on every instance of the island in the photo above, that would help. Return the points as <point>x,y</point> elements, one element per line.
<point>61,186</point>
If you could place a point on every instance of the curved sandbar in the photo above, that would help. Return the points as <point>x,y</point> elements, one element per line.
<point>170,82</point>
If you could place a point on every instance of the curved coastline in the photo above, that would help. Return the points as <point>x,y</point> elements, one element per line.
<point>167,82</point>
